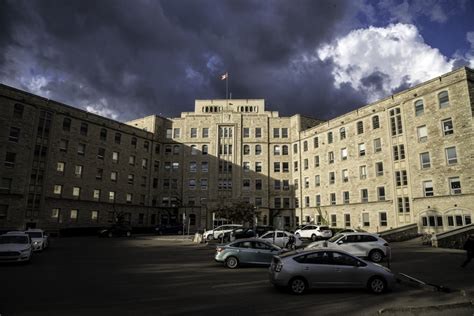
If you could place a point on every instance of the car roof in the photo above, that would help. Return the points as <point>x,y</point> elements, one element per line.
<point>34,230</point>
<point>357,233</point>
<point>16,233</point>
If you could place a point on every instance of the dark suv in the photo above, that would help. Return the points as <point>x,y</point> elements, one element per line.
<point>116,230</point>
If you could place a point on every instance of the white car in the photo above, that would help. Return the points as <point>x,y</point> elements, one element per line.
<point>15,246</point>
<point>357,244</point>
<point>219,231</point>
<point>280,238</point>
<point>314,232</point>
<point>39,238</point>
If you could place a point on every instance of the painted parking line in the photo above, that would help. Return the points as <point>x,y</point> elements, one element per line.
<point>239,284</point>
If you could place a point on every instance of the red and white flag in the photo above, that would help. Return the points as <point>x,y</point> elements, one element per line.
<point>224,76</point>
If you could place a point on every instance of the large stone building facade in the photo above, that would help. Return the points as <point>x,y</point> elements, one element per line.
<point>405,159</point>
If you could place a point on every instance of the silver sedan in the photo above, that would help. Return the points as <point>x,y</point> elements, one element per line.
<point>325,268</point>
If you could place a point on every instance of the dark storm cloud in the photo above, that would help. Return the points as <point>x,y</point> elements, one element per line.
<point>155,57</point>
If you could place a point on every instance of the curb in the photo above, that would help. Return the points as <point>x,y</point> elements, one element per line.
<point>421,309</point>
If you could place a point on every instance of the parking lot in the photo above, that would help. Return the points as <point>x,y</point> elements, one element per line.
<point>147,276</point>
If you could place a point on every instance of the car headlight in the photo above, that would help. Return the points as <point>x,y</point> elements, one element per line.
<point>36,243</point>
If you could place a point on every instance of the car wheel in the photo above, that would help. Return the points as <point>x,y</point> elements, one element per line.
<point>377,285</point>
<point>128,234</point>
<point>110,235</point>
<point>314,237</point>
<point>376,256</point>
<point>231,262</point>
<point>297,286</point>
<point>210,237</point>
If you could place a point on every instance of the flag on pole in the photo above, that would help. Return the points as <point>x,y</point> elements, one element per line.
<point>224,76</point>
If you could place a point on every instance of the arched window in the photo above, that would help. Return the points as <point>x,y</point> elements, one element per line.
<point>360,127</point>
<point>276,150</point>
<point>194,150</point>
<point>375,122</point>
<point>204,149</point>
<point>246,150</point>
<point>419,107</point>
<point>443,99</point>
<point>284,150</point>
<point>176,150</point>
<point>342,133</point>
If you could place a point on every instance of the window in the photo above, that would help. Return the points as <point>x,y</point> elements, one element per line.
<point>383,218</point>
<point>115,156</point>
<point>403,204</point>
<point>76,191</point>
<point>203,184</point>
<point>401,178</point>
<point>133,142</point>
<point>377,145</point>
<point>96,194</point>
<point>169,133</point>
<point>330,138</point>
<point>10,159</point>
<point>78,171</point>
<point>284,150</point>
<point>205,132</point>
<point>246,132</point>
<point>60,166</point>
<point>419,108</point>
<point>345,175</point>
<point>422,133</point>
<point>375,122</point>
<point>448,128</point>
<point>347,220</point>
<point>346,197</point>
<point>81,149</point>
<point>193,132</point>
<point>342,133</point>
<point>18,110</point>
<point>396,121</point>
<point>258,132</point>
<point>365,219</point>
<point>425,160</point>
<point>58,189</point>
<point>63,144</point>
<point>146,146</point>
<point>285,166</point>
<point>305,164</point>
<point>306,182</point>
<point>276,167</point>
<point>129,197</point>
<point>361,149</point>
<point>363,172</point>
<point>66,124</point>
<point>111,196</point>
<point>455,185</point>
<point>332,177</point>
<point>428,188</point>
<point>130,178</point>
<point>331,157</point>
<point>204,149</point>
<point>364,195</point>
<point>103,134</point>
<point>306,201</point>
<point>344,154</point>
<point>451,156</point>
<point>332,198</point>
<point>295,166</point>
<point>284,132</point>
<point>73,216</point>
<point>258,184</point>
<point>246,166</point>
<point>144,163</point>
<point>333,220</point>
<point>276,184</point>
<point>14,134</point>
<point>192,166</point>
<point>443,99</point>
<point>118,138</point>
<point>276,133</point>
<point>276,150</point>
<point>317,180</point>
<point>95,216</point>
<point>305,145</point>
<point>360,127</point>
<point>84,129</point>
<point>379,169</point>
<point>286,185</point>
<point>316,161</point>
<point>381,193</point>
<point>99,173</point>
<point>258,166</point>
<point>258,149</point>
<point>246,150</point>
<point>113,176</point>
<point>55,214</point>
<point>398,152</point>
<point>318,200</point>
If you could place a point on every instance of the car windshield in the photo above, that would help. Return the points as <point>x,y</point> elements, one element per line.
<point>35,234</point>
<point>323,228</point>
<point>335,238</point>
<point>14,240</point>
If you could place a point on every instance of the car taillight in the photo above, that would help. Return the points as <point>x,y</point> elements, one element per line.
<point>219,249</point>
<point>278,266</point>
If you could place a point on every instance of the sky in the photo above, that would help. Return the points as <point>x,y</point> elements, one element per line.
<point>129,59</point>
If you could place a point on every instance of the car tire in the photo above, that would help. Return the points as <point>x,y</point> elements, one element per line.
<point>232,262</point>
<point>376,256</point>
<point>297,286</point>
<point>314,237</point>
<point>377,285</point>
<point>128,234</point>
<point>110,235</point>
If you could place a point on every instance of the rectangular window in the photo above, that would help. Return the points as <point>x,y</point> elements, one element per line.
<point>258,184</point>
<point>60,166</point>
<point>81,149</point>
<point>276,167</point>
<point>101,153</point>
<point>103,135</point>
<point>331,157</point>
<point>306,182</point>
<point>343,153</point>
<point>305,145</point>
<point>379,169</point>
<point>419,108</point>
<point>361,147</point>
<point>276,184</point>
<point>318,200</point>
<point>316,161</point>
<point>113,176</point>
<point>316,142</point>
<point>258,166</point>
<point>76,191</point>
<point>203,184</point>
<point>347,220</point>
<point>305,164</point>
<point>286,166</point>
<point>176,133</point>
<point>345,175</point>
<point>18,110</point>
<point>448,127</point>
<point>377,145</point>
<point>286,185</point>
<point>55,214</point>
<point>193,132</point>
<point>284,132</point>
<point>169,133</point>
<point>425,160</point>
<point>73,216</point>
<point>99,173</point>
<point>246,166</point>
<point>277,202</point>
<point>451,156</point>
<point>276,133</point>
<point>63,144</point>
<point>58,189</point>
<point>455,185</point>
<point>381,193</point>
<point>364,195</point>
<point>144,163</point>
<point>84,129</point>
<point>78,171</point>
<point>205,132</point>
<point>129,197</point>
<point>131,179</point>
<point>332,177</point>
<point>366,219</point>
<point>333,220</point>
<point>95,216</point>
<point>383,219</point>
<point>115,157</point>
<point>258,132</point>
<point>360,127</point>
<point>422,134</point>
<point>333,198</point>
<point>246,132</point>
<point>96,194</point>
<point>346,197</point>
<point>111,196</point>
<point>396,121</point>
<point>131,160</point>
<point>363,172</point>
<point>317,180</point>
<point>428,188</point>
<point>330,138</point>
<point>14,134</point>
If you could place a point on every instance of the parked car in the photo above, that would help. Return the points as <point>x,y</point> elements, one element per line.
<point>116,230</point>
<point>356,230</point>
<point>262,229</point>
<point>38,238</point>
<point>218,232</point>
<point>280,238</point>
<point>328,268</point>
<point>246,251</point>
<point>364,245</point>
<point>15,246</point>
<point>314,232</point>
<point>176,229</point>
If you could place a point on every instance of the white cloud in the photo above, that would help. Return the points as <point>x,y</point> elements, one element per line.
<point>470,53</point>
<point>377,61</point>
<point>101,108</point>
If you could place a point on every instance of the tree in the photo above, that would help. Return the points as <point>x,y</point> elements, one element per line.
<point>238,212</point>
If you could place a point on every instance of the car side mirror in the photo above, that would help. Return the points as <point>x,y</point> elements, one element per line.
<point>340,242</point>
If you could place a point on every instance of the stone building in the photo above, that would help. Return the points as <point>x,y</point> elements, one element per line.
<point>405,159</point>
